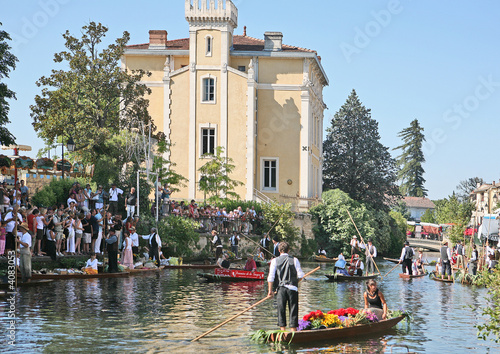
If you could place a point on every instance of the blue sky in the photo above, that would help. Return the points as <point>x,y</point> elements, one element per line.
<point>437,61</point>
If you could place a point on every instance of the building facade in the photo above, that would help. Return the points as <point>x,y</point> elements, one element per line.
<point>417,206</point>
<point>258,99</point>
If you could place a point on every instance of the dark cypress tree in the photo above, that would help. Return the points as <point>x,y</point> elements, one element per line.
<point>354,159</point>
<point>411,172</point>
<point>7,63</point>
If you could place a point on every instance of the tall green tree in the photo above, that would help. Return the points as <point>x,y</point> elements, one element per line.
<point>451,211</point>
<point>411,172</point>
<point>94,99</point>
<point>465,187</point>
<point>354,159</point>
<point>215,180</point>
<point>7,63</point>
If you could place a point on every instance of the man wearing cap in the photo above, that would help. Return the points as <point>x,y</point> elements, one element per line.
<point>406,258</point>
<point>250,265</point>
<point>445,260</point>
<point>276,243</point>
<point>354,244</point>
<point>287,271</point>
<point>24,239</point>
<point>371,252</point>
<point>113,199</point>
<point>357,266</point>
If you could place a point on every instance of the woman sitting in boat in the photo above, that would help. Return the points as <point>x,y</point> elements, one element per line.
<point>223,262</point>
<point>91,266</point>
<point>250,265</point>
<point>339,266</point>
<point>374,300</point>
<point>357,266</point>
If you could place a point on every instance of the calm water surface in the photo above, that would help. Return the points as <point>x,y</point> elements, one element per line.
<point>163,312</point>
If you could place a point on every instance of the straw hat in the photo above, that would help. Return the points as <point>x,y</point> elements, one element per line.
<point>444,242</point>
<point>24,226</point>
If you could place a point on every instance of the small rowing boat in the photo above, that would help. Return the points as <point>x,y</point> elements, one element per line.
<point>437,277</point>
<point>137,271</point>
<point>26,284</point>
<point>335,333</point>
<point>221,274</point>
<point>341,277</point>
<point>78,276</point>
<point>324,259</point>
<point>407,276</point>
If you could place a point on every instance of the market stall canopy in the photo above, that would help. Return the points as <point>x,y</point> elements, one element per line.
<point>489,228</point>
<point>18,147</point>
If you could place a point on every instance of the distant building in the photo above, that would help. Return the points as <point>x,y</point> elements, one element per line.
<point>259,99</point>
<point>485,198</point>
<point>417,206</point>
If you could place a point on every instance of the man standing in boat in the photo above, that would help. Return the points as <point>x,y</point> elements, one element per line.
<point>445,260</point>
<point>276,243</point>
<point>354,245</point>
<point>371,252</point>
<point>287,271</point>
<point>406,258</point>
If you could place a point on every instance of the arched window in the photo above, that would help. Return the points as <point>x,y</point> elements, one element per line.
<point>209,43</point>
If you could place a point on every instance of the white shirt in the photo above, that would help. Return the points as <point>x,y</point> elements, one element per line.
<point>71,200</point>
<point>214,240</point>
<point>373,249</point>
<point>135,239</point>
<point>129,241</point>
<point>403,253</point>
<point>11,224</point>
<point>233,239</point>
<point>91,264</point>
<point>158,240</point>
<point>26,238</point>
<point>113,194</point>
<point>272,271</point>
<point>39,222</point>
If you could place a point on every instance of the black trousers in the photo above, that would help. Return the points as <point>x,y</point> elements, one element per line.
<point>50,246</point>
<point>153,253</point>
<point>291,297</point>
<point>135,251</point>
<point>113,262</point>
<point>407,264</point>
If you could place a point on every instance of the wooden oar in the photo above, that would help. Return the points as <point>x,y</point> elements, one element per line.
<point>359,233</point>
<point>389,272</point>
<point>258,244</point>
<point>245,310</point>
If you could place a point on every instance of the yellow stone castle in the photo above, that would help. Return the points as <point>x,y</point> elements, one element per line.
<point>261,100</point>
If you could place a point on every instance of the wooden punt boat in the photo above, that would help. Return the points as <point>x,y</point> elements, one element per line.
<point>191,266</point>
<point>393,260</point>
<point>79,276</point>
<point>221,274</point>
<point>341,277</point>
<point>324,259</point>
<point>407,276</point>
<point>336,333</point>
<point>29,284</point>
<point>435,277</point>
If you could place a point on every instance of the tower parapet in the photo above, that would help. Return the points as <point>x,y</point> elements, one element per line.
<point>211,12</point>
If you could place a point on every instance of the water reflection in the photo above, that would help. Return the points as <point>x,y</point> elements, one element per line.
<point>163,312</point>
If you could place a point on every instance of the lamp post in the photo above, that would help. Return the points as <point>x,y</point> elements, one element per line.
<point>71,148</point>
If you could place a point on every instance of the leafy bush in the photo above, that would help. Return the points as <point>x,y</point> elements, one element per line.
<point>279,222</point>
<point>179,234</point>
<point>334,228</point>
<point>55,192</point>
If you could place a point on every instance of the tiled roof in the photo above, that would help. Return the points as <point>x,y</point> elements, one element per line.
<point>419,202</point>
<point>240,43</point>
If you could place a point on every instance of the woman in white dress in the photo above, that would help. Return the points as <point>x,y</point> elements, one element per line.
<point>127,256</point>
<point>70,242</point>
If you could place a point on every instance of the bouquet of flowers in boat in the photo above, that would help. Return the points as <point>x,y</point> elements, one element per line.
<point>339,318</point>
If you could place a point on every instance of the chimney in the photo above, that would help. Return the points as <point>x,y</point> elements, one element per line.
<point>157,39</point>
<point>493,182</point>
<point>273,41</point>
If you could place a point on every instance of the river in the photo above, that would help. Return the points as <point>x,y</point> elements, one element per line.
<point>163,312</point>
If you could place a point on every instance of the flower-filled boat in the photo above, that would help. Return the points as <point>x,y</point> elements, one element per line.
<point>340,323</point>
